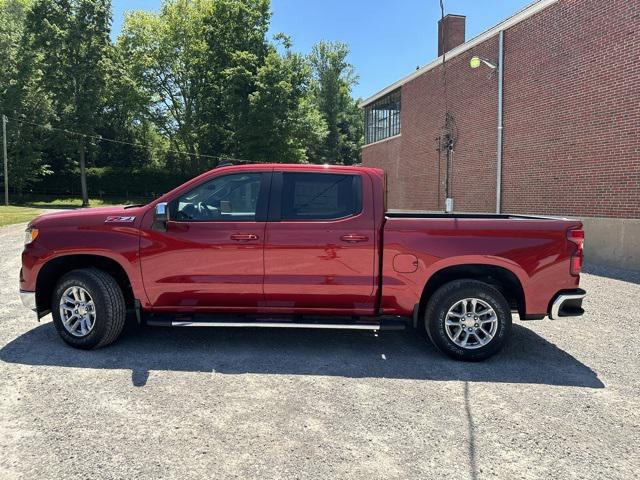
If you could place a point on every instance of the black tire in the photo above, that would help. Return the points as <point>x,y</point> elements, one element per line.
<point>449,295</point>
<point>110,308</point>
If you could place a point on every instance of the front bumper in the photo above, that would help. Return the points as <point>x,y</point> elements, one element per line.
<point>567,303</point>
<point>28,299</point>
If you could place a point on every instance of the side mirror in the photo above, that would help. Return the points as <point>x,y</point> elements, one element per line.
<point>160,217</point>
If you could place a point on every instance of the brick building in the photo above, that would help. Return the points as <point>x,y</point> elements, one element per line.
<point>571,122</point>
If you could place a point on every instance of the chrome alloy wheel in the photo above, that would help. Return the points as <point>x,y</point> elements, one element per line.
<point>77,311</point>
<point>471,323</point>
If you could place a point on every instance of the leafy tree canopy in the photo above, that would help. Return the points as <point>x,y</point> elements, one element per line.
<point>179,90</point>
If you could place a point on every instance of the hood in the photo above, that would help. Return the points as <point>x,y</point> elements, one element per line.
<point>117,215</point>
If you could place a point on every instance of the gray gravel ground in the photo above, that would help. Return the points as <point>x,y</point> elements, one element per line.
<point>561,401</point>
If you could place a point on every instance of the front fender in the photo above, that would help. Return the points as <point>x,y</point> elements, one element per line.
<point>119,244</point>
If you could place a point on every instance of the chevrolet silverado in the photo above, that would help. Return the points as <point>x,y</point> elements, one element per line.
<point>299,246</point>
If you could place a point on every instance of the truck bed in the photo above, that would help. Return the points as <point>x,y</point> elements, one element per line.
<point>419,244</point>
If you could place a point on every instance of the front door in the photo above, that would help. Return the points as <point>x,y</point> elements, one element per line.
<point>320,244</point>
<point>210,257</point>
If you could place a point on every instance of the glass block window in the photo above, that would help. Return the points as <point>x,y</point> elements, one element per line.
<point>382,117</point>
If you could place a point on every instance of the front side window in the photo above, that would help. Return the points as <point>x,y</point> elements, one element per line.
<point>320,196</point>
<point>227,198</point>
<point>382,117</point>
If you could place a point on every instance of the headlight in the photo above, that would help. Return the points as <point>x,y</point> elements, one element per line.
<point>30,234</point>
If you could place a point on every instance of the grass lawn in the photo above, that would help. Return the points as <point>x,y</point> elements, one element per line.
<point>10,215</point>
<point>31,207</point>
<point>65,202</point>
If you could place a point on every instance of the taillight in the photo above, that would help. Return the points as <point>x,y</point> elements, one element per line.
<point>576,236</point>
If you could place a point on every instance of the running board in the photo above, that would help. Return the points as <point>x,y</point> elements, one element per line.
<point>168,320</point>
<point>340,326</point>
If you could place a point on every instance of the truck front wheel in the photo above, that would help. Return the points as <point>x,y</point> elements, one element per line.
<point>88,308</point>
<point>468,320</point>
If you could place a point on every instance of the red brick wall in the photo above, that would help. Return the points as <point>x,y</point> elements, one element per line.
<point>571,120</point>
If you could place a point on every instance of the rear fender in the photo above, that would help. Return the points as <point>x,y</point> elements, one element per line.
<point>403,291</point>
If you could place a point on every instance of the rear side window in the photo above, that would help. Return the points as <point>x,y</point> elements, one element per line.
<point>320,196</point>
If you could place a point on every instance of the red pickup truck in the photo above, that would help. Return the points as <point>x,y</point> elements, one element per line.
<point>299,246</point>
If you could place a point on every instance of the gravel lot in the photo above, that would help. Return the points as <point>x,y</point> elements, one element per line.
<point>561,401</point>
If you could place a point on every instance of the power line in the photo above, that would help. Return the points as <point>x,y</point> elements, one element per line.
<point>100,138</point>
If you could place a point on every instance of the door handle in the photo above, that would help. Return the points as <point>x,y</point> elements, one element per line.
<point>354,238</point>
<point>243,237</point>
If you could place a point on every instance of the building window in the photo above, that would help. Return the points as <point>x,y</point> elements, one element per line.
<point>382,117</point>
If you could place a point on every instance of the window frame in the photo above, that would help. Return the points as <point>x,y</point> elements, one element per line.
<point>381,123</point>
<point>262,204</point>
<point>277,192</point>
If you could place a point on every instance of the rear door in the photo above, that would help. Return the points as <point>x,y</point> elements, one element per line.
<point>320,243</point>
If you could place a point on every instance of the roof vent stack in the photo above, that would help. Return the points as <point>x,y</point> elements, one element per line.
<point>450,32</point>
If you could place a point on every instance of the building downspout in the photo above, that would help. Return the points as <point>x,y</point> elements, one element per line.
<point>500,116</point>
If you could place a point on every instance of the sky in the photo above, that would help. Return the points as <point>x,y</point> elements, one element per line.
<point>388,39</point>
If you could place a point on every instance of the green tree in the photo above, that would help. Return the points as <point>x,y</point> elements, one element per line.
<point>167,54</point>
<point>12,17</point>
<point>236,48</point>
<point>182,88</point>
<point>21,97</point>
<point>216,86</point>
<point>72,37</point>
<point>333,78</point>
<point>281,121</point>
<point>124,118</point>
<point>351,128</point>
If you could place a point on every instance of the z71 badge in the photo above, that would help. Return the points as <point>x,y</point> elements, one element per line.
<point>120,219</point>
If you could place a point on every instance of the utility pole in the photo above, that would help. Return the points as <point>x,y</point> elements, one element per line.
<point>83,173</point>
<point>6,168</point>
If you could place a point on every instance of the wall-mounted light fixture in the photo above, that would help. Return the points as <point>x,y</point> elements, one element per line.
<point>475,62</point>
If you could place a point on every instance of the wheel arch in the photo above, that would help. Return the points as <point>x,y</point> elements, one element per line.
<point>506,281</point>
<point>55,268</point>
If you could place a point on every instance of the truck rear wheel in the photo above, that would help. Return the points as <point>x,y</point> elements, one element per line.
<point>468,320</point>
<point>88,308</point>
